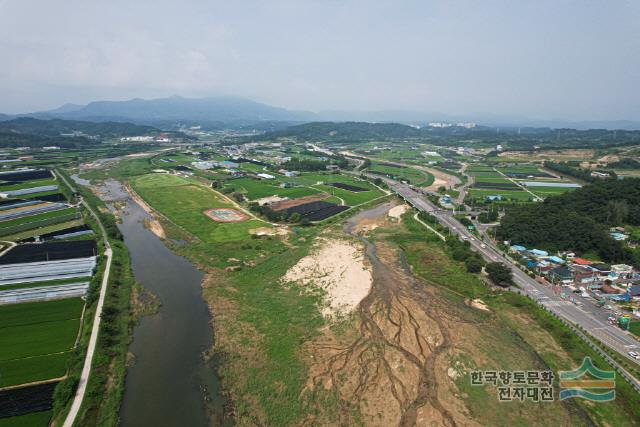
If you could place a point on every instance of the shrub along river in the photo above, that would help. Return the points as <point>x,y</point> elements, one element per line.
<point>169,382</point>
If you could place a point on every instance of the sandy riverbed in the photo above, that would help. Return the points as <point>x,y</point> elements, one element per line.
<point>338,267</point>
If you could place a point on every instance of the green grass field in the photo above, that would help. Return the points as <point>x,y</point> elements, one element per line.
<point>36,419</point>
<point>33,368</point>
<point>184,201</point>
<point>257,189</point>
<point>506,194</point>
<point>40,312</point>
<point>414,176</point>
<point>352,198</point>
<point>36,338</point>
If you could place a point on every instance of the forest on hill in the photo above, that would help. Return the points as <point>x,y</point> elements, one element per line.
<point>35,133</point>
<point>523,139</point>
<point>578,221</point>
<point>56,127</point>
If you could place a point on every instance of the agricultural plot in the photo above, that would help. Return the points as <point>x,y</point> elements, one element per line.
<point>18,225</point>
<point>256,189</point>
<point>10,186</point>
<point>352,198</point>
<point>348,187</point>
<point>36,338</point>
<point>506,195</point>
<point>15,176</point>
<point>52,251</point>
<point>184,202</point>
<point>43,293</point>
<point>27,406</point>
<point>28,235</point>
<point>316,211</point>
<point>512,182</point>
<point>414,176</point>
<point>488,182</point>
<point>28,208</point>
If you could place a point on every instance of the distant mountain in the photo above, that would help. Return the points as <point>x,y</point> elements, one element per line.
<point>176,108</point>
<point>342,131</point>
<point>66,108</point>
<point>224,112</point>
<point>586,124</point>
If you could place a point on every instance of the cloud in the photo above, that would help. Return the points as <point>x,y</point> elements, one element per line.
<point>545,59</point>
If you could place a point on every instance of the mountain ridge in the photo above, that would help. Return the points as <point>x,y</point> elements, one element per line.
<point>234,110</point>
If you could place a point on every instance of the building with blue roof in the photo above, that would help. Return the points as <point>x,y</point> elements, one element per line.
<point>539,253</point>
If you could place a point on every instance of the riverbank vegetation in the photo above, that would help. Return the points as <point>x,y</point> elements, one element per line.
<point>106,383</point>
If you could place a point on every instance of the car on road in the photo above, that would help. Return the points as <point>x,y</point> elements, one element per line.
<point>634,355</point>
<point>483,246</point>
<point>464,237</point>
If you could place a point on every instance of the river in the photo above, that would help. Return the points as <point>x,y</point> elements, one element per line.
<point>169,383</point>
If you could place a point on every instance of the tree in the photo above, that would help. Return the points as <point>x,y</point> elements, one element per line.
<point>499,274</point>
<point>473,264</point>
<point>459,254</point>
<point>295,218</point>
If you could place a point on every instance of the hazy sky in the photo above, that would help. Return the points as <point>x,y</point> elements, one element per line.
<point>542,59</point>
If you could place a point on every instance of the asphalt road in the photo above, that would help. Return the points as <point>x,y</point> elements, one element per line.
<point>588,316</point>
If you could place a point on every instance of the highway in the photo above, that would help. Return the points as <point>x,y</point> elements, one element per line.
<point>588,319</point>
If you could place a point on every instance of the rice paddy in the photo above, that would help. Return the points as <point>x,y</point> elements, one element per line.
<point>36,338</point>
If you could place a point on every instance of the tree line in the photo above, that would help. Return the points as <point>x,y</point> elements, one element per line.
<point>578,221</point>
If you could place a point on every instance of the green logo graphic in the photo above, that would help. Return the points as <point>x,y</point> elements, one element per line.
<point>588,382</point>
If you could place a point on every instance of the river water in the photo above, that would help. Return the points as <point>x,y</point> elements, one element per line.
<point>169,383</point>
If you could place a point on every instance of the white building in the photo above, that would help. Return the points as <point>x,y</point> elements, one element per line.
<point>266,176</point>
<point>203,165</point>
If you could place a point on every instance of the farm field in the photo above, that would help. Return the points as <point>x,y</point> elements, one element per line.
<point>36,338</point>
<point>43,283</point>
<point>353,198</point>
<point>414,176</point>
<point>506,194</point>
<point>184,201</point>
<point>36,419</point>
<point>45,215</point>
<point>28,184</point>
<point>309,185</point>
<point>257,189</point>
<point>489,182</point>
<point>43,230</point>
